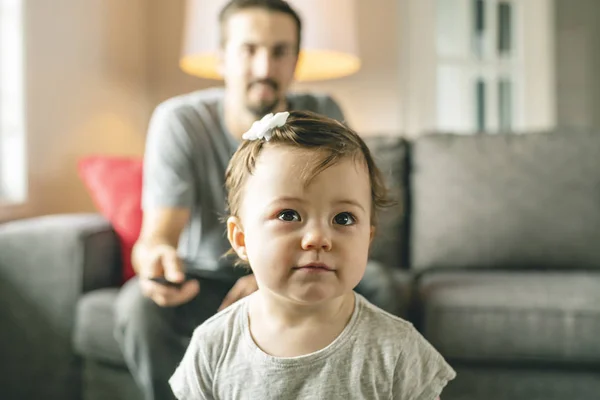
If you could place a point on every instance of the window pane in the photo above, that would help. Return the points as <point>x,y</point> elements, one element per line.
<point>505,104</point>
<point>455,99</point>
<point>504,28</point>
<point>13,183</point>
<point>453,32</point>
<point>10,67</point>
<point>480,105</point>
<point>478,27</point>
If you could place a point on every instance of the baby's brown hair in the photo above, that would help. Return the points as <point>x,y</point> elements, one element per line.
<point>331,141</point>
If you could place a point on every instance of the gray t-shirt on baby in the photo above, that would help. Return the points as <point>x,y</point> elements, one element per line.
<point>377,356</point>
<point>187,152</point>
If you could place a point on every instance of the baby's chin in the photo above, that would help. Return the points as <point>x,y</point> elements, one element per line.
<point>315,296</point>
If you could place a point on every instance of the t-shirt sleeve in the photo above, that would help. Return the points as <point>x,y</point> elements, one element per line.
<point>421,372</point>
<point>168,169</point>
<point>193,377</point>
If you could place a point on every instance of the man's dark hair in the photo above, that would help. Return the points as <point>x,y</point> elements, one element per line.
<point>270,5</point>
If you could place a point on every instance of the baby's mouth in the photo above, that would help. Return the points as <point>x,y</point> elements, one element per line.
<point>316,266</point>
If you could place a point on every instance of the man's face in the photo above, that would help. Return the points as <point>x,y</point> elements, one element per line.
<point>259,58</point>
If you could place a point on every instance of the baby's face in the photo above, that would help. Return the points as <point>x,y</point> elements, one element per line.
<point>306,243</point>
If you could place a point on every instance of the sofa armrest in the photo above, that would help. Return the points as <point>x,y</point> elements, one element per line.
<point>46,264</point>
<point>81,246</point>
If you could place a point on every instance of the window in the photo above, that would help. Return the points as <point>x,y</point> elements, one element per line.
<point>478,68</point>
<point>472,66</point>
<point>12,118</point>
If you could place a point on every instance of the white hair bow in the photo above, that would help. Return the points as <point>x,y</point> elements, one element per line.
<point>262,129</point>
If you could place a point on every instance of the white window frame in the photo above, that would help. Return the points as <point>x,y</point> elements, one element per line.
<point>460,113</point>
<point>13,173</point>
<point>534,102</point>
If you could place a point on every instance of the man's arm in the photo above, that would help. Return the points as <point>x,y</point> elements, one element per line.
<point>155,255</point>
<point>166,198</point>
<point>160,227</point>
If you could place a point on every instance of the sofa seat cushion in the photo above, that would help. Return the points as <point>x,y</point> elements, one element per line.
<point>94,327</point>
<point>532,316</point>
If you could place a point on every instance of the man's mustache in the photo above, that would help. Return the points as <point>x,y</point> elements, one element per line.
<point>269,82</point>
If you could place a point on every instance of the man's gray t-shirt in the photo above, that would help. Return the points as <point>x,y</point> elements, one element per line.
<point>187,152</point>
<point>377,356</point>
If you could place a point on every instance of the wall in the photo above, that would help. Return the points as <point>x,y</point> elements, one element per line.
<point>371,98</point>
<point>165,31</point>
<point>538,110</point>
<point>86,93</point>
<point>577,63</point>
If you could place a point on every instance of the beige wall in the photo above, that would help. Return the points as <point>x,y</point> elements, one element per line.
<point>165,31</point>
<point>86,93</point>
<point>577,63</point>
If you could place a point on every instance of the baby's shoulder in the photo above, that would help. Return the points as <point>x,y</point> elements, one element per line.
<point>394,338</point>
<point>381,330</point>
<point>383,325</point>
<point>220,329</point>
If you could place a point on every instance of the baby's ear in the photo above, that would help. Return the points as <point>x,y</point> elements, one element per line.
<point>237,239</point>
<point>372,234</point>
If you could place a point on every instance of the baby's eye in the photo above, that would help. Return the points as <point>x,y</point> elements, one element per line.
<point>344,218</point>
<point>289,216</point>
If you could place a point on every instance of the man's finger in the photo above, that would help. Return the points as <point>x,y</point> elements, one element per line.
<point>154,288</point>
<point>227,301</point>
<point>172,266</point>
<point>151,269</point>
<point>167,296</point>
<point>188,290</point>
<point>159,299</point>
<point>234,295</point>
<point>183,294</point>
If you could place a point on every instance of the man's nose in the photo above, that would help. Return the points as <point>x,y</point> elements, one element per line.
<point>262,64</point>
<point>317,237</point>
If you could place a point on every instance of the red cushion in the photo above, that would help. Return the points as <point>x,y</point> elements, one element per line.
<point>115,185</point>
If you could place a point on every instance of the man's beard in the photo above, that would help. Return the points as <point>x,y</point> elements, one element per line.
<point>264,107</point>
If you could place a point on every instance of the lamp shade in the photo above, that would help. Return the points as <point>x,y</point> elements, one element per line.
<point>329,39</point>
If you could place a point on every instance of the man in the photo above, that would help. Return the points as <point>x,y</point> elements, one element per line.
<point>190,141</point>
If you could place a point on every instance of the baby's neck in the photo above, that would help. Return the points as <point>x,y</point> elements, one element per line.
<point>283,329</point>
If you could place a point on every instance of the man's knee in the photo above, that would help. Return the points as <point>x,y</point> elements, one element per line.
<point>136,314</point>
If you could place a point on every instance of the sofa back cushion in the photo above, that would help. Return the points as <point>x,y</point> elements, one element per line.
<point>506,201</point>
<point>390,244</point>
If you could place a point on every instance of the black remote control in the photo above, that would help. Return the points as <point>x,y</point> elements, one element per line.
<point>199,274</point>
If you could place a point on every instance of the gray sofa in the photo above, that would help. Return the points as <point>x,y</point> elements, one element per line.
<point>495,248</point>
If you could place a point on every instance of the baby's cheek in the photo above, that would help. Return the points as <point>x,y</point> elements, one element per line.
<point>273,262</point>
<point>356,272</point>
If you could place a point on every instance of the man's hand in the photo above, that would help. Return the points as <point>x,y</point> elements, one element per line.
<point>243,287</point>
<point>162,260</point>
